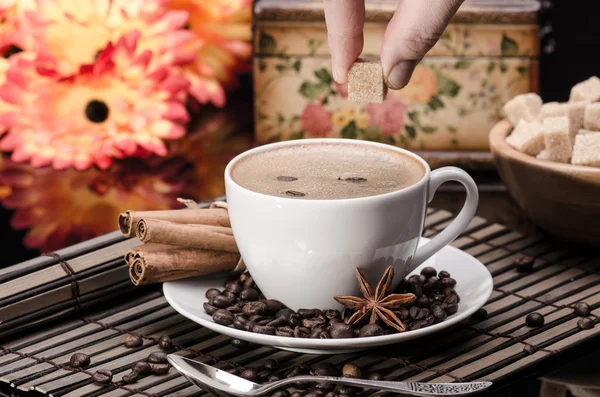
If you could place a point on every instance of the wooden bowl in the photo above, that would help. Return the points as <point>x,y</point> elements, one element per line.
<point>563,199</point>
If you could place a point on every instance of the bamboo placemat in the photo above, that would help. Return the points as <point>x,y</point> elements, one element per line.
<point>493,349</point>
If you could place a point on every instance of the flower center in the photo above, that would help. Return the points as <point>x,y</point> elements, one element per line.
<point>96,111</point>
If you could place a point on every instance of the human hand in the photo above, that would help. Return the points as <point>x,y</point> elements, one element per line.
<point>415,27</point>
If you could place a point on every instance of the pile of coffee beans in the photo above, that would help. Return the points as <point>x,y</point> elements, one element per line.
<point>156,364</point>
<point>270,371</point>
<point>241,305</point>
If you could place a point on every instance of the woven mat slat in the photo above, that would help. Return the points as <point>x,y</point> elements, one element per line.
<point>490,349</point>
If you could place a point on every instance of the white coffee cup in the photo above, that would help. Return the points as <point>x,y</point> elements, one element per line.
<point>304,252</point>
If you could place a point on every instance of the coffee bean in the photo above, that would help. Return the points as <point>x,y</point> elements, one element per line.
<point>235,309</point>
<point>414,279</point>
<point>287,178</point>
<point>329,314</point>
<point>254,308</point>
<point>324,369</point>
<point>534,319</point>
<point>273,306</point>
<point>371,330</point>
<point>278,322</point>
<point>249,283</point>
<point>341,330</point>
<point>270,364</point>
<point>307,313</point>
<point>284,313</point>
<point>297,394</point>
<point>479,315</point>
<point>451,299</point>
<point>211,293</point>
<point>208,308</point>
<point>401,287</point>
<point>157,358</point>
<point>449,291</point>
<point>131,377</point>
<point>233,286</point>
<point>524,264</point>
<point>427,321</point>
<point>351,371</point>
<point>249,374</point>
<point>325,335</point>
<point>438,313</point>
<point>134,341</point>
<point>403,313</point>
<point>79,360</point>
<point>343,390</point>
<point>165,343</point>
<point>430,284</point>
<point>582,309</point>
<point>315,332</point>
<point>284,331</point>
<point>335,320</point>
<point>263,329</point>
<point>239,321</point>
<point>102,376</point>
<point>414,326</point>
<point>314,392</point>
<point>530,349</point>
<point>451,309</point>
<point>295,320</point>
<point>443,274</point>
<point>375,376</point>
<point>239,344</point>
<point>297,370</point>
<point>265,321</point>
<point>422,314</point>
<point>313,322</point>
<point>142,368</point>
<point>231,296</point>
<point>274,378</point>
<point>281,393</point>
<point>356,179</point>
<point>301,332</point>
<point>429,272</point>
<point>234,371</point>
<point>248,325</point>
<point>220,301</point>
<point>294,193</point>
<point>423,301</point>
<point>256,318</point>
<point>263,375</point>
<point>444,283</point>
<point>413,312</point>
<point>249,294</point>
<point>222,317</point>
<point>585,323</point>
<point>415,289</point>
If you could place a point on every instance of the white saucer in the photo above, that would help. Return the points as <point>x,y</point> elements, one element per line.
<point>474,285</point>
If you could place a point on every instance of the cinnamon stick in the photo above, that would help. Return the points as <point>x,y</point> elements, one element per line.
<point>133,253</point>
<point>128,220</point>
<point>159,264</point>
<point>209,237</point>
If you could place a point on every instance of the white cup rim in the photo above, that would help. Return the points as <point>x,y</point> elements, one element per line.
<point>263,148</point>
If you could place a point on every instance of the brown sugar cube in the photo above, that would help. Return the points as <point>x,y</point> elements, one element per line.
<point>553,109</point>
<point>587,149</point>
<point>557,140</point>
<point>365,81</point>
<point>586,90</point>
<point>576,115</point>
<point>527,137</point>
<point>591,118</point>
<point>523,107</point>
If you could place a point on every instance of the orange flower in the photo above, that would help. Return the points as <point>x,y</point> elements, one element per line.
<point>422,86</point>
<point>222,47</point>
<point>121,105</point>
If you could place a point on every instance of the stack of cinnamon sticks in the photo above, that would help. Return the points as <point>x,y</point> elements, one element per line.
<point>178,244</point>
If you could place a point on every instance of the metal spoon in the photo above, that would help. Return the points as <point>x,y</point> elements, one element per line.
<point>222,383</point>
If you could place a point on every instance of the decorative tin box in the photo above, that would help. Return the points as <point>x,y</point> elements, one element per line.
<point>487,55</point>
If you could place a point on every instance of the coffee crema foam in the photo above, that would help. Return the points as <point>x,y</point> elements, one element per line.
<point>327,171</point>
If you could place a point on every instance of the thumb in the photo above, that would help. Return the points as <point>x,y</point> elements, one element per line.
<point>415,27</point>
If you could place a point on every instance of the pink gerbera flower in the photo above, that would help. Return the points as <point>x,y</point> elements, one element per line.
<point>123,104</point>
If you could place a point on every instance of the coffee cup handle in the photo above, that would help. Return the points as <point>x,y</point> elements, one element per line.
<point>459,224</point>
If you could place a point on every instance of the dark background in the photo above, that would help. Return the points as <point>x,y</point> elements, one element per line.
<point>570,50</point>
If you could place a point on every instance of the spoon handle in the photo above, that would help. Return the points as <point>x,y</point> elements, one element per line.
<point>413,388</point>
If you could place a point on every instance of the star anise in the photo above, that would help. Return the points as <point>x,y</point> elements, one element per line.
<point>376,304</point>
